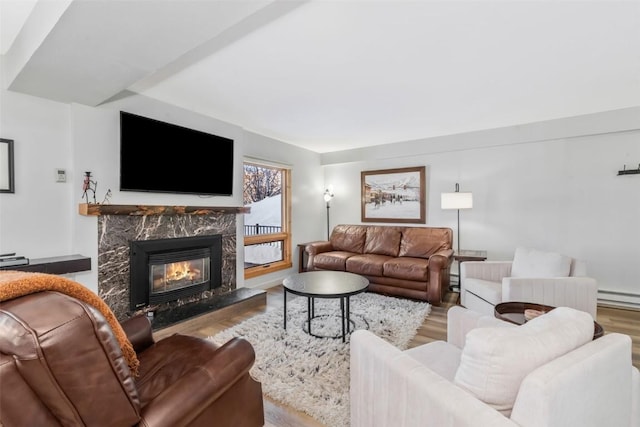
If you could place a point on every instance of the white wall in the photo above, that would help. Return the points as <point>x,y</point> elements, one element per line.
<point>549,185</point>
<point>35,220</point>
<point>558,194</point>
<point>41,219</point>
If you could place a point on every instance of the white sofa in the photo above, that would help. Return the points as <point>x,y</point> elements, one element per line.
<point>593,385</point>
<point>533,276</point>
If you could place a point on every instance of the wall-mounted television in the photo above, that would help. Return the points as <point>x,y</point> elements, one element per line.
<point>161,157</point>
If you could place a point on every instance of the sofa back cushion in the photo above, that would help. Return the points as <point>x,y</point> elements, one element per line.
<point>422,242</point>
<point>348,238</point>
<point>534,263</point>
<point>382,241</point>
<point>494,361</point>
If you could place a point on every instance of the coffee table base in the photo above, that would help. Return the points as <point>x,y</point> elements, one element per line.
<point>351,325</point>
<point>325,284</point>
<point>345,311</point>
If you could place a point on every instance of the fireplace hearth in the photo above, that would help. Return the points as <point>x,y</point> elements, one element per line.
<point>165,270</point>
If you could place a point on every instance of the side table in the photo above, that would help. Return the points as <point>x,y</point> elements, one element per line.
<point>467,255</point>
<point>513,312</point>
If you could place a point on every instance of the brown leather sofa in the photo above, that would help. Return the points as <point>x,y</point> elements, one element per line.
<point>410,262</point>
<point>60,365</point>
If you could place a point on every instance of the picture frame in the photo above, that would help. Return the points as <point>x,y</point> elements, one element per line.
<point>7,184</point>
<point>393,195</point>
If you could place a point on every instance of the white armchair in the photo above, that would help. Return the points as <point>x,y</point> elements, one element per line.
<point>533,276</point>
<point>550,373</point>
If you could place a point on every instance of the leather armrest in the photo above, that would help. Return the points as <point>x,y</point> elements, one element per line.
<point>138,330</point>
<point>315,248</point>
<point>438,275</point>
<point>183,400</point>
<point>441,259</point>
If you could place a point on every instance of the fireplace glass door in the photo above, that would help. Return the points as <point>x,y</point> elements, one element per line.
<point>167,270</point>
<point>182,270</point>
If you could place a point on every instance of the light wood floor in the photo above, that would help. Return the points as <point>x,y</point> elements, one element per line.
<point>434,328</point>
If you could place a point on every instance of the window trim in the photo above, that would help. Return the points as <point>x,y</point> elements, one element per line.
<point>284,236</point>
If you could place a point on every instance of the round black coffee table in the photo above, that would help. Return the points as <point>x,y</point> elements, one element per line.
<point>325,284</point>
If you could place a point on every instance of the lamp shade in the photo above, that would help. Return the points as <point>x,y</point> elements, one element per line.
<point>456,200</point>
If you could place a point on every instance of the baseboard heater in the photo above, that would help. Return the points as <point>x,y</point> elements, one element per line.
<point>619,299</point>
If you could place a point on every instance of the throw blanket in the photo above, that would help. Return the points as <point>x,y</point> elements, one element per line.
<point>15,284</point>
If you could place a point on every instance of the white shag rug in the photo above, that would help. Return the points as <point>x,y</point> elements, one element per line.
<point>312,374</point>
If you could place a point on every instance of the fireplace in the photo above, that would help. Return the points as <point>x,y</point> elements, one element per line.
<point>165,270</point>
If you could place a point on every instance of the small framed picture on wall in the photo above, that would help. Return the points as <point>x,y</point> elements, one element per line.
<point>6,166</point>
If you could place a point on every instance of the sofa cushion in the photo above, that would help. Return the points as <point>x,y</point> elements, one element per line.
<point>407,268</point>
<point>335,260</point>
<point>422,242</point>
<point>494,361</point>
<point>534,263</point>
<point>367,264</point>
<point>382,241</point>
<point>348,238</point>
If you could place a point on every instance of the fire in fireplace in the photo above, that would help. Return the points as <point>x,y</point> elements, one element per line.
<point>167,277</point>
<point>165,270</point>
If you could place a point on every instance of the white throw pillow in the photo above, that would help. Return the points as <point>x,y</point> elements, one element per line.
<point>534,263</point>
<point>494,361</point>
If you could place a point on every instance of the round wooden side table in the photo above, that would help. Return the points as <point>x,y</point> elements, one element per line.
<point>513,312</point>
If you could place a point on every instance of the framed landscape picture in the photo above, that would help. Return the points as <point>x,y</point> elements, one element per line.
<point>393,195</point>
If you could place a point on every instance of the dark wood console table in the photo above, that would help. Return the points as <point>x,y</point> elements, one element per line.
<point>55,265</point>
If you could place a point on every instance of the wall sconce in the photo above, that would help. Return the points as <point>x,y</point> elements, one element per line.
<point>328,195</point>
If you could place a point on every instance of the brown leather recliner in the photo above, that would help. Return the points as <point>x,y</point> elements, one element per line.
<point>61,365</point>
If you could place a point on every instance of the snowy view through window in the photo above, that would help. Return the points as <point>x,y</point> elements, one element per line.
<point>265,214</point>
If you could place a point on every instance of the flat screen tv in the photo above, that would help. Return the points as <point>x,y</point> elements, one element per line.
<point>161,157</point>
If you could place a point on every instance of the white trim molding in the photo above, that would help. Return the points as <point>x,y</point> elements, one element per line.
<point>619,299</point>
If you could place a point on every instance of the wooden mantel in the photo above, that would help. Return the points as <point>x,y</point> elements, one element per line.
<point>91,209</point>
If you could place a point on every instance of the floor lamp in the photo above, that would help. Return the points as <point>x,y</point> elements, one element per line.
<point>457,201</point>
<point>328,195</point>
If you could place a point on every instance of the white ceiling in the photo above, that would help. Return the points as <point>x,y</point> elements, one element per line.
<point>13,13</point>
<point>334,75</point>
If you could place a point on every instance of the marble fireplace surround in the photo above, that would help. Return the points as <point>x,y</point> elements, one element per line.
<point>120,224</point>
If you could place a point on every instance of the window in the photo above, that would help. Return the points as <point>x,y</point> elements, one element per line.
<point>267,235</point>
